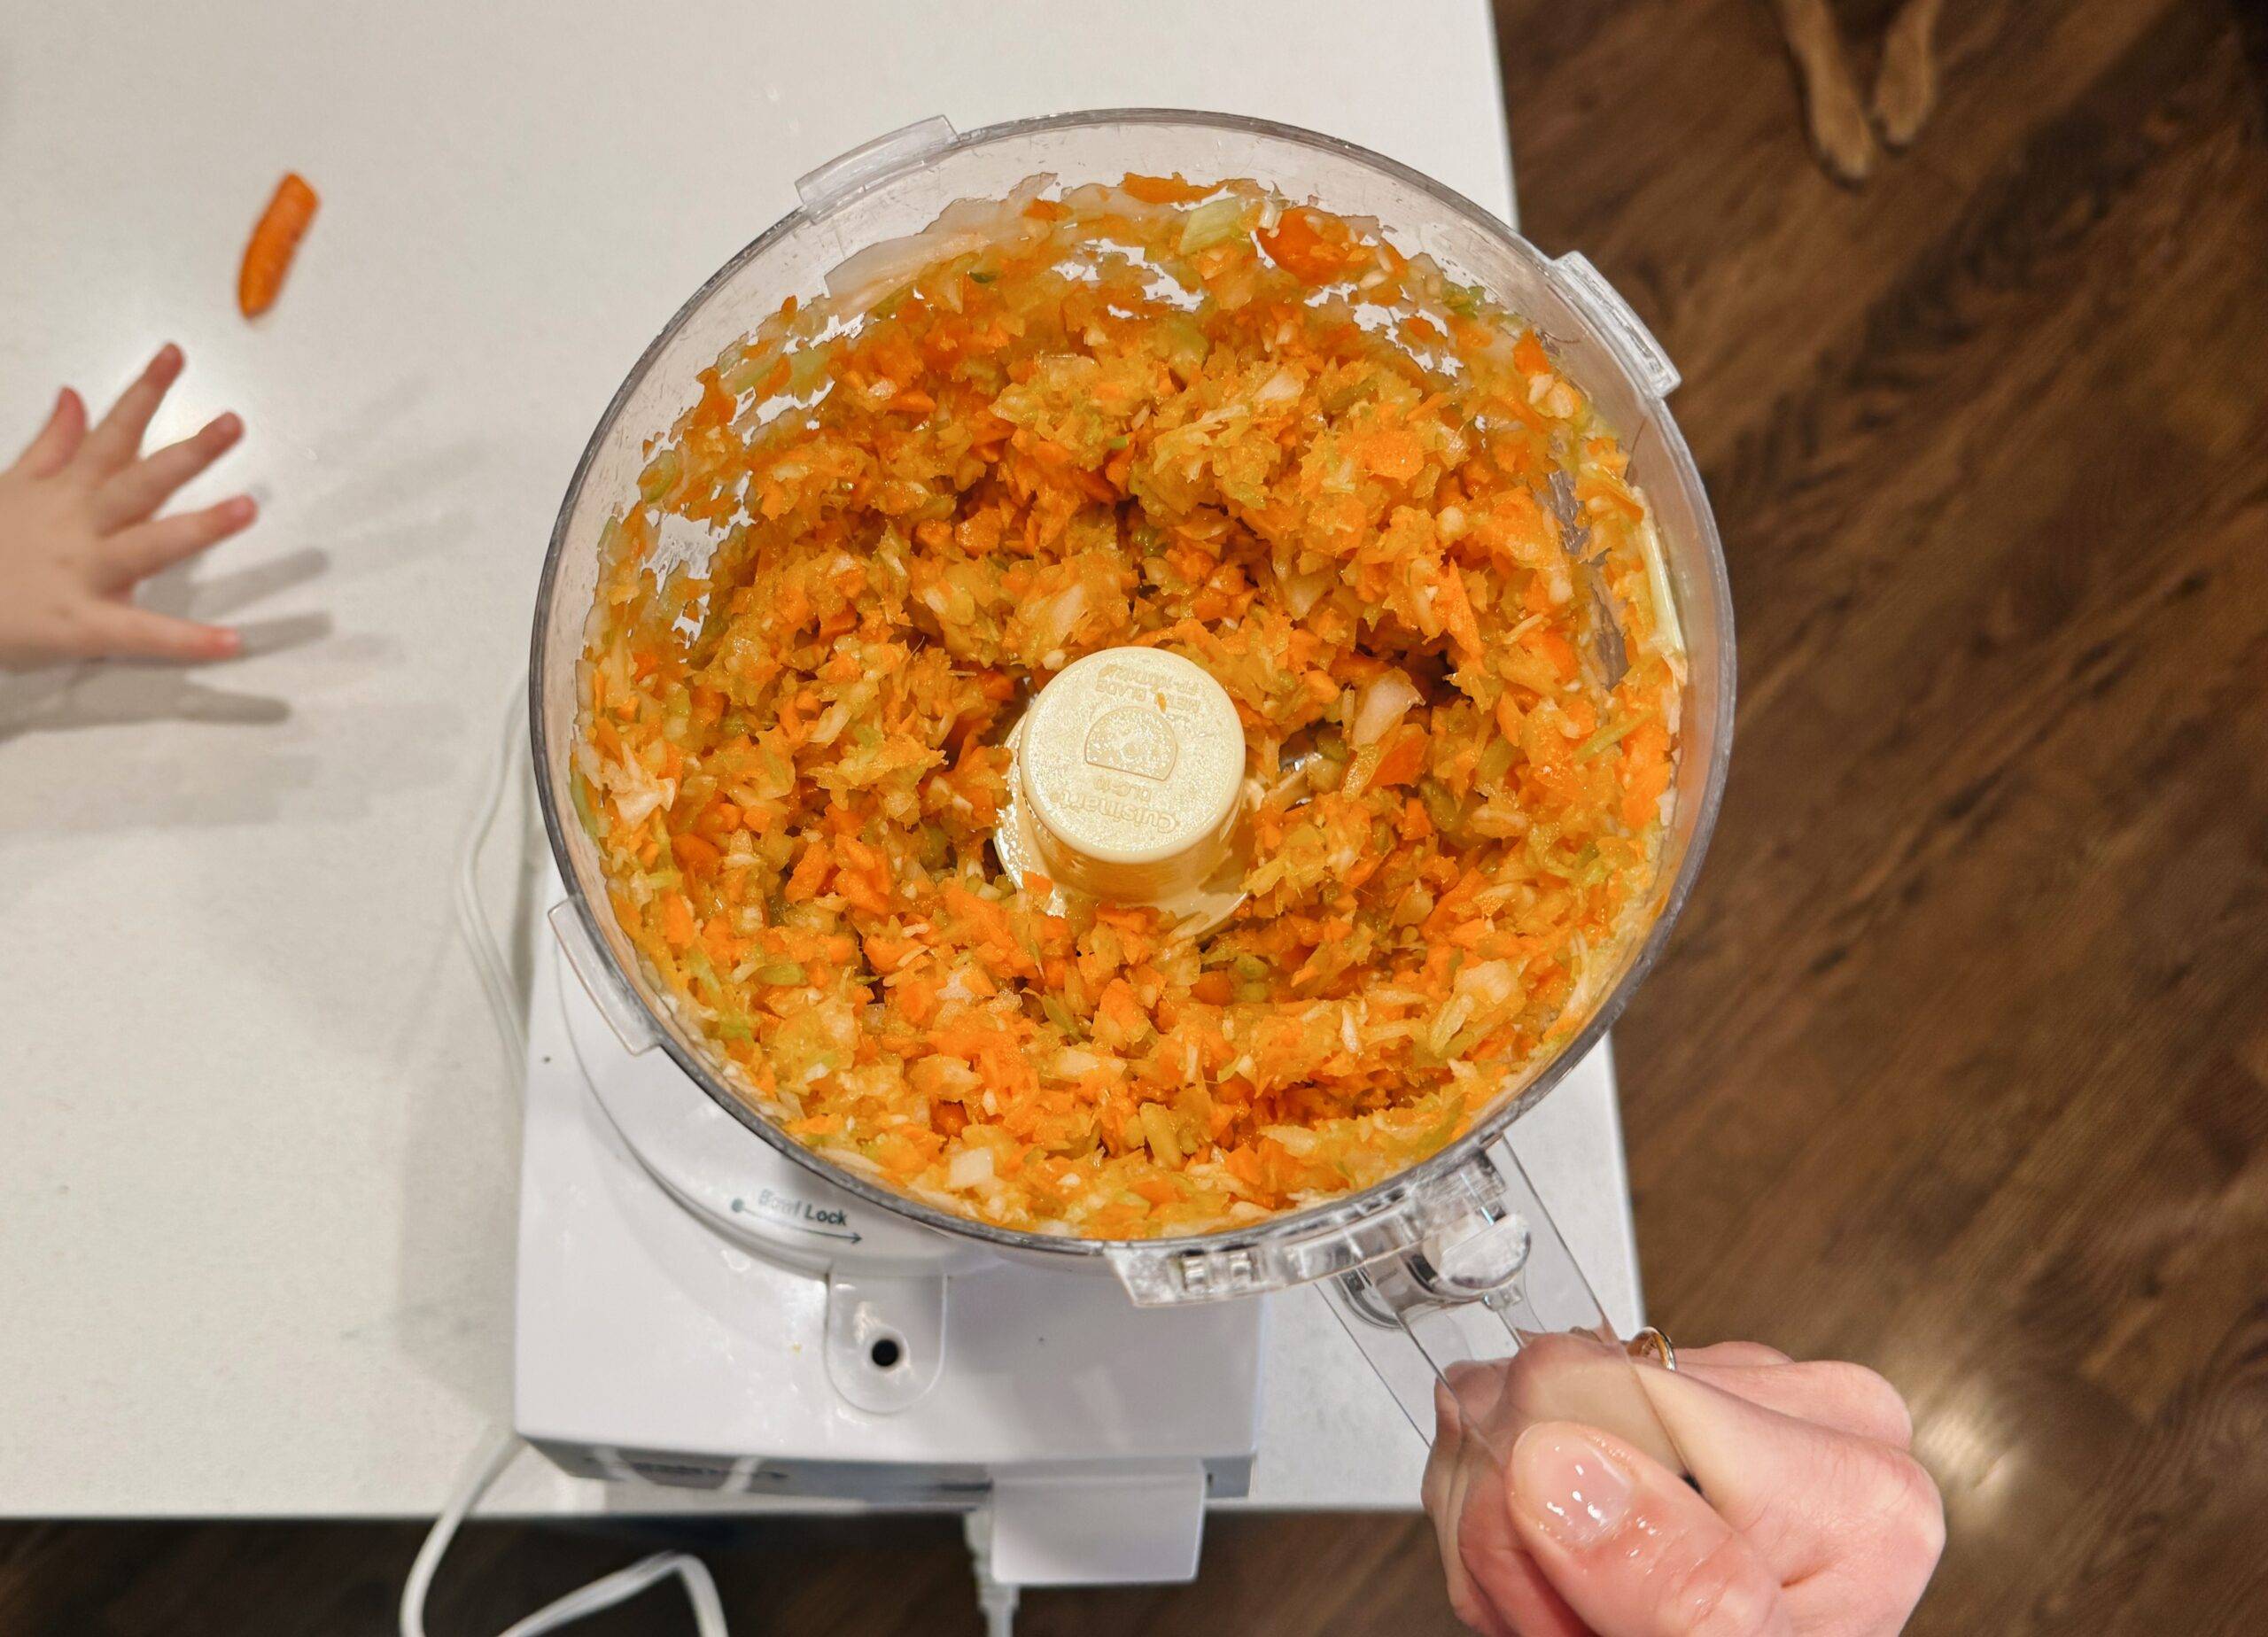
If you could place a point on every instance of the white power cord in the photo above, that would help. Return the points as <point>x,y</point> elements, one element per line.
<point>494,1454</point>
<point>998,1601</point>
<point>996,1598</point>
<point>480,939</point>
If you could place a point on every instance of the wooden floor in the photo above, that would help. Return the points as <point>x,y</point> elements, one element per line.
<point>1959,1063</point>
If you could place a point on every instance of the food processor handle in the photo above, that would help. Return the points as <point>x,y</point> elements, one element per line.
<point>1482,1330</point>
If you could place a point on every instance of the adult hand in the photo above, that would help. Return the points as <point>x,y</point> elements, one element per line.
<point>1811,1516</point>
<point>79,530</point>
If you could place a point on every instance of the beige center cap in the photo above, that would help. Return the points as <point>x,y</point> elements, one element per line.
<point>1130,766</point>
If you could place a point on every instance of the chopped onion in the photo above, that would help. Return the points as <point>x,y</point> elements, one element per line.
<point>1072,1062</point>
<point>1053,620</point>
<point>1379,708</point>
<point>859,281</point>
<point>1302,592</point>
<point>1283,387</point>
<point>1491,982</point>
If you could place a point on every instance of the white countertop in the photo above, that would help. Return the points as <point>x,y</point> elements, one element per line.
<point>256,1160</point>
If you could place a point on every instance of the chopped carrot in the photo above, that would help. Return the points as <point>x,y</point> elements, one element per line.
<point>860,893</point>
<point>1646,758</point>
<point>1163,190</point>
<point>695,853</point>
<point>1403,762</point>
<point>809,874</point>
<point>918,1002</point>
<point>888,953</point>
<point>1297,246</point>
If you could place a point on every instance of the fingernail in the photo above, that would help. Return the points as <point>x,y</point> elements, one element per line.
<point>226,425</point>
<point>169,355</point>
<point>241,507</point>
<point>1567,1486</point>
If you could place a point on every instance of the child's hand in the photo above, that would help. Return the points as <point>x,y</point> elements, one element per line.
<point>79,530</point>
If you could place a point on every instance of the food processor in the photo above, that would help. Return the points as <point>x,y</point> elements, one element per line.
<point>1082,1397</point>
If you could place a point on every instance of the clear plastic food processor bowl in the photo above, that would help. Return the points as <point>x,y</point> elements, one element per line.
<point>897,186</point>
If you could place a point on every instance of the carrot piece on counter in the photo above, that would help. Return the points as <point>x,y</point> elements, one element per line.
<point>274,242</point>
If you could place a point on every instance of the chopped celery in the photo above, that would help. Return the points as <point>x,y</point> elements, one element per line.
<point>748,370</point>
<point>1211,223</point>
<point>1158,1128</point>
<point>1185,344</point>
<point>781,972</point>
<point>1469,1036</point>
<point>1266,876</point>
<point>1608,737</point>
<point>660,475</point>
<point>805,368</point>
<point>1441,806</point>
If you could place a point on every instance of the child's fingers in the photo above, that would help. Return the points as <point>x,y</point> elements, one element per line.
<point>138,491</point>
<point>117,438</point>
<point>122,630</point>
<point>151,548</point>
<point>54,445</point>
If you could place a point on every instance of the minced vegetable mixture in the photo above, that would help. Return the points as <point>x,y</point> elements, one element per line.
<point>1189,415</point>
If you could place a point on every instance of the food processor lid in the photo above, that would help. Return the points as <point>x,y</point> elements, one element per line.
<point>895,187</point>
<point>1128,784</point>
